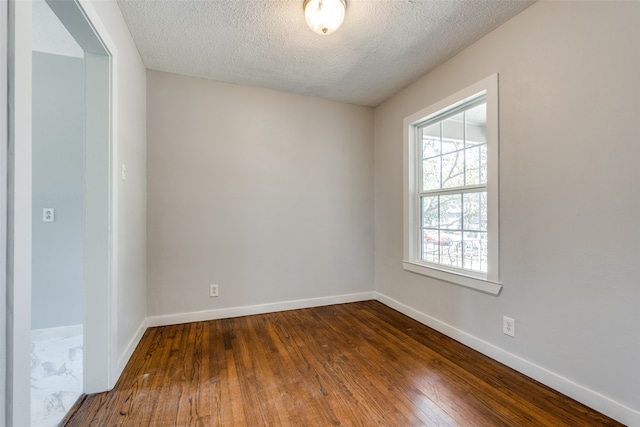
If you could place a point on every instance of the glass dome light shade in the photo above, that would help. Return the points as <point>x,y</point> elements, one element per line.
<point>324,16</point>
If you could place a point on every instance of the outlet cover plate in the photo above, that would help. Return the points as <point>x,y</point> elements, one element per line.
<point>213,291</point>
<point>48,215</point>
<point>509,326</point>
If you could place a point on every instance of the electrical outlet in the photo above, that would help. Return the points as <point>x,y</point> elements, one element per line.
<point>48,215</point>
<point>509,326</point>
<point>213,291</point>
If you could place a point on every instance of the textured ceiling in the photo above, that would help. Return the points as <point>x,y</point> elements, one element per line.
<point>383,45</point>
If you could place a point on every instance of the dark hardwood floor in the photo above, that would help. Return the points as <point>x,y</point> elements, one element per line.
<point>352,364</point>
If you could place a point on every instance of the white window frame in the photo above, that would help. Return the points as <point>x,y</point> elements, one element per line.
<point>490,282</point>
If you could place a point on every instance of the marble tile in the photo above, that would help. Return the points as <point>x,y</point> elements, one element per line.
<point>56,373</point>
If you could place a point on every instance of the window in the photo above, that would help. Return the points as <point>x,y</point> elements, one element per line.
<point>451,189</point>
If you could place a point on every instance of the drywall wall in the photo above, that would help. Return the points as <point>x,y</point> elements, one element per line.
<point>57,288</point>
<point>128,78</point>
<point>267,194</point>
<point>569,246</point>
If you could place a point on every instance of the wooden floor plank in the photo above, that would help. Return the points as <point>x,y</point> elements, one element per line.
<point>453,381</point>
<point>358,364</point>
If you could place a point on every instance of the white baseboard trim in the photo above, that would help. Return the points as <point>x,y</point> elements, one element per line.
<point>57,332</point>
<point>225,313</point>
<point>131,346</point>
<point>593,399</point>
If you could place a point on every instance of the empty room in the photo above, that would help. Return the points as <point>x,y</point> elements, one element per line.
<point>320,212</point>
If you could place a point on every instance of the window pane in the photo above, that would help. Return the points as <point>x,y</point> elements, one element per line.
<point>483,211</point>
<point>453,133</point>
<point>450,245</point>
<point>431,174</point>
<point>430,208</point>
<point>476,122</point>
<point>483,164</point>
<point>471,211</point>
<point>431,141</point>
<point>453,170</point>
<point>475,251</point>
<point>472,170</point>
<point>451,212</point>
<point>430,245</point>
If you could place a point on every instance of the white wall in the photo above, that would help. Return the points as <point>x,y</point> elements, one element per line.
<point>569,149</point>
<point>58,180</point>
<point>129,197</point>
<point>267,194</point>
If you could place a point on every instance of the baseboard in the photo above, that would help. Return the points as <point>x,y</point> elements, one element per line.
<point>557,382</point>
<point>131,346</point>
<point>225,313</point>
<point>59,331</point>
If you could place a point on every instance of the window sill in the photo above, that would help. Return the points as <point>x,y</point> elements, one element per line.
<point>482,285</point>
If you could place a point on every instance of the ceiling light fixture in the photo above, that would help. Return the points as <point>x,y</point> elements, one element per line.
<point>324,16</point>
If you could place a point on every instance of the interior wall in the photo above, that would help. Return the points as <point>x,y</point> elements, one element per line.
<point>267,194</point>
<point>129,198</point>
<point>58,181</point>
<point>569,203</point>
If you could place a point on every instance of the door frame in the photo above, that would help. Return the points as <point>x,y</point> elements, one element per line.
<point>18,238</point>
<point>100,298</point>
<point>4,102</point>
<point>98,320</point>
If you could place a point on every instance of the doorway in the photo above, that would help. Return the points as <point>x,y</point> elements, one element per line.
<point>57,291</point>
<point>58,194</point>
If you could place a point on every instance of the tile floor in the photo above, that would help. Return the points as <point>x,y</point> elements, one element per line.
<point>56,373</point>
